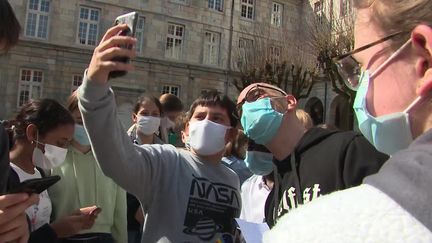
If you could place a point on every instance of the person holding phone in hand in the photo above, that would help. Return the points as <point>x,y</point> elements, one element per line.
<point>40,133</point>
<point>83,183</point>
<point>169,182</point>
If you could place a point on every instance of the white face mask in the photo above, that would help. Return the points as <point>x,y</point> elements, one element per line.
<point>148,124</point>
<point>53,157</point>
<point>207,137</point>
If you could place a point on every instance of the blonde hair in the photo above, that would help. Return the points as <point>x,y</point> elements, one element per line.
<point>398,15</point>
<point>304,118</point>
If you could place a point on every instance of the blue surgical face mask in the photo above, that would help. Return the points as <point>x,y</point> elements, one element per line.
<point>388,133</point>
<point>260,121</point>
<point>80,135</point>
<point>259,163</point>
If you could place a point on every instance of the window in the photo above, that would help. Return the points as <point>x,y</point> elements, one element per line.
<point>211,48</point>
<point>276,16</point>
<point>88,26</point>
<point>140,34</point>
<point>216,5</point>
<point>37,19</point>
<point>318,10</point>
<point>245,43</point>
<point>247,9</point>
<point>245,51</point>
<point>171,89</point>
<point>76,82</point>
<point>174,41</point>
<point>30,85</point>
<point>275,53</point>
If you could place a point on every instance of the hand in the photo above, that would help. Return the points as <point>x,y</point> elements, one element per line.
<point>71,225</point>
<point>93,212</point>
<point>139,216</point>
<point>101,63</point>
<point>13,220</point>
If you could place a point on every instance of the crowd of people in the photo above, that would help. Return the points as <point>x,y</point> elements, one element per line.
<point>177,176</point>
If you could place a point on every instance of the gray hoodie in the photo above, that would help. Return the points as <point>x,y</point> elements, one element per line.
<point>188,200</point>
<point>407,179</point>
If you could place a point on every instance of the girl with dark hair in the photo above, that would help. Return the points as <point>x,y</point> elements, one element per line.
<point>146,117</point>
<point>83,183</point>
<point>40,134</point>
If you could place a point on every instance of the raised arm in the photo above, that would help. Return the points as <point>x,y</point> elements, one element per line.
<point>133,168</point>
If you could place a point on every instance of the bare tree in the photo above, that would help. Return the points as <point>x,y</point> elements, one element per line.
<point>280,63</point>
<point>331,33</point>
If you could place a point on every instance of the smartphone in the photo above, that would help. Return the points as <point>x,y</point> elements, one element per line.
<point>131,20</point>
<point>35,185</point>
<point>95,212</point>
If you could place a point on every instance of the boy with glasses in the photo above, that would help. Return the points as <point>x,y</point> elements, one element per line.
<point>309,163</point>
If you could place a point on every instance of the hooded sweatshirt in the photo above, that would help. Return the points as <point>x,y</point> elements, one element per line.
<point>393,205</point>
<point>187,199</point>
<point>325,161</point>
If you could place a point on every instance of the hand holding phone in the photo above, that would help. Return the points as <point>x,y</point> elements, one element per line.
<point>91,211</point>
<point>95,212</point>
<point>101,63</point>
<point>131,20</point>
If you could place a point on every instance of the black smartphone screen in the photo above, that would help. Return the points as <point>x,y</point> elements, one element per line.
<point>35,185</point>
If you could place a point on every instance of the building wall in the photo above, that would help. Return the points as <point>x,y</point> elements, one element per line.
<point>60,56</point>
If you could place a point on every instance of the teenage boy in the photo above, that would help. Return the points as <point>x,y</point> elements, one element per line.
<point>323,160</point>
<point>189,195</point>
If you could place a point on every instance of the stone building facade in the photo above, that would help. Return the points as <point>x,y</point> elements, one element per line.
<point>184,47</point>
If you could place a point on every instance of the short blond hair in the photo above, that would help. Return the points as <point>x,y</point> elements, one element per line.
<point>398,15</point>
<point>304,118</point>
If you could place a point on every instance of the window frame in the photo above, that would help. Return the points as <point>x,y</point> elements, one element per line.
<point>207,53</point>
<point>73,85</point>
<point>88,21</point>
<point>172,54</point>
<point>214,5</point>
<point>140,39</point>
<point>275,58</point>
<point>280,13</point>
<point>38,14</point>
<point>319,13</point>
<point>247,43</point>
<point>30,84</point>
<point>248,5</point>
<point>170,89</point>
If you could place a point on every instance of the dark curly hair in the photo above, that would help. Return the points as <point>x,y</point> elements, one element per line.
<point>45,114</point>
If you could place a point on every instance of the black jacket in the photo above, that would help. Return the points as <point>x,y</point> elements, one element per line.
<point>325,161</point>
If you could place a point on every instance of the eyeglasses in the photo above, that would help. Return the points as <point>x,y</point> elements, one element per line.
<point>259,91</point>
<point>350,69</point>
<point>278,104</point>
